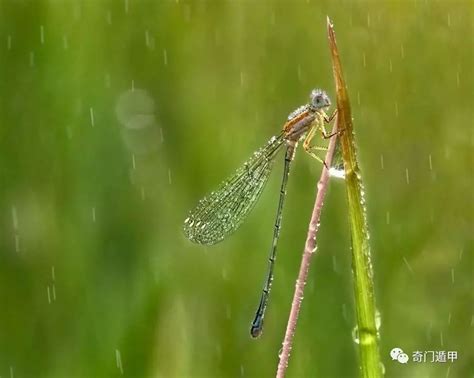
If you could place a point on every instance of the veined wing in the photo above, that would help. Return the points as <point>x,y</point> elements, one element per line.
<point>224,210</point>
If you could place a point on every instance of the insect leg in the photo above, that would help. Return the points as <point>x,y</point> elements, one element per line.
<point>307,143</point>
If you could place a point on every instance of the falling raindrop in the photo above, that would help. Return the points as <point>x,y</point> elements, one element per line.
<point>334,264</point>
<point>126,6</point>
<point>344,312</point>
<point>108,17</point>
<point>77,12</point>
<point>224,274</point>
<point>118,359</point>
<point>428,331</point>
<point>169,176</point>
<point>387,217</point>
<point>9,42</point>
<point>364,59</point>
<point>32,59</point>
<point>93,215</point>
<point>407,176</point>
<point>49,295</point>
<point>91,111</point>
<point>390,66</point>
<point>165,57</point>
<point>382,368</point>
<point>14,218</point>
<point>42,34</point>
<point>407,264</point>
<point>381,161</point>
<point>402,51</point>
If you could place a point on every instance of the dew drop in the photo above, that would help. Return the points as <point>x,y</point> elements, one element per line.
<point>355,334</point>
<point>337,173</point>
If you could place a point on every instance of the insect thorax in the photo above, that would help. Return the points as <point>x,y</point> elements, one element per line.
<point>298,111</point>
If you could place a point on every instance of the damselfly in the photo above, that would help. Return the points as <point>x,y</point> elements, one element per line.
<point>223,211</point>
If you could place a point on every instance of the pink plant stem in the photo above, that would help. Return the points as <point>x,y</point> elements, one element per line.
<point>309,250</point>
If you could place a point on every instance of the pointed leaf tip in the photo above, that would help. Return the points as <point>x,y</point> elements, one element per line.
<point>329,22</point>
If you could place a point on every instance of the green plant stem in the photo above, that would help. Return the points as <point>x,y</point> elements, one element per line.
<point>367,332</point>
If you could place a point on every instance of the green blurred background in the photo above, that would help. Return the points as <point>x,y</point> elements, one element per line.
<point>117,116</point>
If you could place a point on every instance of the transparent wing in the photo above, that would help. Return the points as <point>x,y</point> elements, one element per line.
<point>223,211</point>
